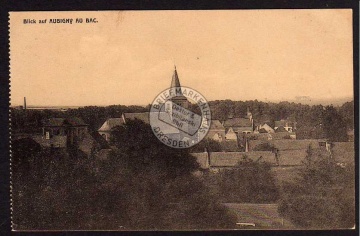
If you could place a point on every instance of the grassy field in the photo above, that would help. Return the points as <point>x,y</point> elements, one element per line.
<point>264,216</point>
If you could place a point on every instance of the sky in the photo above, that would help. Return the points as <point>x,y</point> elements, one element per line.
<point>128,57</point>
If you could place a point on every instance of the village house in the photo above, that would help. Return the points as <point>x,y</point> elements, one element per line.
<point>61,132</point>
<point>285,125</point>
<point>264,128</point>
<point>240,125</point>
<point>216,131</point>
<point>218,161</point>
<point>231,135</point>
<point>108,126</point>
<point>64,133</point>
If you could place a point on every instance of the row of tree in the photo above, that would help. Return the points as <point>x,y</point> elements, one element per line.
<point>315,121</point>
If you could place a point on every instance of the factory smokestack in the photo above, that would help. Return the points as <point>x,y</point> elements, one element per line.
<point>24,103</point>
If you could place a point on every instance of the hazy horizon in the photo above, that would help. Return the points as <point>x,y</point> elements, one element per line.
<point>334,102</point>
<point>128,56</point>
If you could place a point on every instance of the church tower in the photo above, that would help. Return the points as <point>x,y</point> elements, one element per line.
<point>180,100</point>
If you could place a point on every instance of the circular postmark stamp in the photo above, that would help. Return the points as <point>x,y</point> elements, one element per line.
<point>180,117</point>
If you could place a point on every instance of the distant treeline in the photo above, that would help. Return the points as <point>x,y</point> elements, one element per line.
<point>315,121</point>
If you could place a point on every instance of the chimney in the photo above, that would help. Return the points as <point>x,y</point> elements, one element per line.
<point>246,145</point>
<point>25,103</point>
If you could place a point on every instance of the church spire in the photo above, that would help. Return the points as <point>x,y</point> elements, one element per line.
<point>179,99</point>
<point>175,82</point>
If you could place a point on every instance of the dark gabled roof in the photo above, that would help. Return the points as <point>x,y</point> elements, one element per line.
<point>231,159</point>
<point>230,146</point>
<point>54,122</point>
<point>237,122</point>
<point>100,140</point>
<point>283,123</point>
<point>75,121</point>
<point>215,124</point>
<point>290,144</point>
<point>143,116</point>
<point>70,121</point>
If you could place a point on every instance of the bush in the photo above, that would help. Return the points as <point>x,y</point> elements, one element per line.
<point>323,195</point>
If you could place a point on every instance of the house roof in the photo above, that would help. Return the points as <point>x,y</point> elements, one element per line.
<point>100,140</point>
<point>263,131</point>
<point>75,121</point>
<point>143,116</point>
<point>72,121</point>
<point>237,122</point>
<point>110,123</point>
<point>292,157</point>
<point>289,144</point>
<point>230,145</point>
<point>283,123</point>
<point>266,127</point>
<point>216,124</point>
<point>230,131</point>
<point>231,159</point>
<point>280,129</point>
<point>54,122</point>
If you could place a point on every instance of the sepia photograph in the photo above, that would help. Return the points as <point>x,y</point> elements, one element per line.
<point>177,120</point>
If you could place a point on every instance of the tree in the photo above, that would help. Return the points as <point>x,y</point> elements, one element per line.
<point>249,182</point>
<point>160,191</point>
<point>347,113</point>
<point>144,185</point>
<point>322,196</point>
<point>207,144</point>
<point>334,125</point>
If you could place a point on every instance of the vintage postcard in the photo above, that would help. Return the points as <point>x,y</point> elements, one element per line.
<point>182,120</point>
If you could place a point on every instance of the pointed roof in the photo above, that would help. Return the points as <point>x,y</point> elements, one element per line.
<point>143,116</point>
<point>110,123</point>
<point>216,124</point>
<point>175,82</point>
